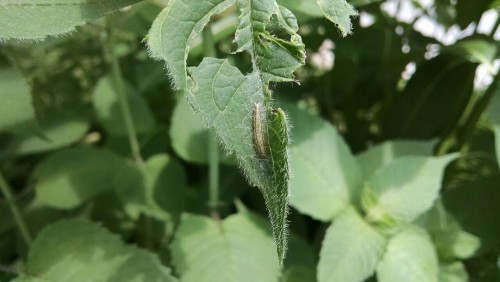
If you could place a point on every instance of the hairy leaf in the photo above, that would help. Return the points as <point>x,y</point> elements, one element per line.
<point>273,58</point>
<point>36,19</point>
<point>351,249</point>
<point>236,249</point>
<point>410,256</point>
<point>175,28</point>
<point>227,101</point>
<point>338,12</point>
<point>79,250</point>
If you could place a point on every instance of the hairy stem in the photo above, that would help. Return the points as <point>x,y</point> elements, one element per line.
<point>21,224</point>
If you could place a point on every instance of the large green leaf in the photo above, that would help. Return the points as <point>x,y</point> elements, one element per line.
<point>67,178</point>
<point>351,249</point>
<point>339,12</point>
<point>172,44</point>
<point>410,256</point>
<point>382,154</point>
<point>16,109</point>
<point>36,19</point>
<point>405,188</point>
<point>326,176</point>
<point>235,249</point>
<point>79,250</point>
<point>109,112</point>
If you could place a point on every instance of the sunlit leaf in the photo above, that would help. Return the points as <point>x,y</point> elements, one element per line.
<point>405,188</point>
<point>326,176</point>
<point>351,249</point>
<point>382,154</point>
<point>409,256</point>
<point>235,249</point>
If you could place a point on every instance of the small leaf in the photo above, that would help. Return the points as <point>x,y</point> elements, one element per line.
<point>236,249</point>
<point>410,256</point>
<point>339,13</point>
<point>79,250</point>
<point>36,19</point>
<point>67,178</point>
<point>17,114</point>
<point>109,112</point>
<point>326,176</point>
<point>274,58</point>
<point>453,272</point>
<point>351,249</point>
<point>172,44</point>
<point>405,188</point>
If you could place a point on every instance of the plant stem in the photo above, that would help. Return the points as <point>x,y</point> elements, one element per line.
<point>213,149</point>
<point>120,90</point>
<point>21,225</point>
<point>463,134</point>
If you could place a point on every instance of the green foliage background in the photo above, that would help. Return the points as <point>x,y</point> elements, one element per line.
<point>373,172</point>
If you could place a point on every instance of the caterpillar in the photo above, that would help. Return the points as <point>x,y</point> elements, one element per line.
<point>259,136</point>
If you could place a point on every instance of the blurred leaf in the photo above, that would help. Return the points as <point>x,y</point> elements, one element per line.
<point>36,19</point>
<point>190,138</point>
<point>299,273</point>
<point>418,112</point>
<point>410,257</point>
<point>351,249</point>
<point>238,248</point>
<point>338,12</point>
<point>475,205</point>
<point>79,250</point>
<point>405,188</point>
<point>470,11</point>
<point>380,155</point>
<point>57,133</point>
<point>166,184</point>
<point>303,9</point>
<point>300,253</point>
<point>109,112</point>
<point>326,176</point>
<point>68,178</point>
<point>453,272</point>
<point>450,240</point>
<point>476,50</point>
<point>17,114</point>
